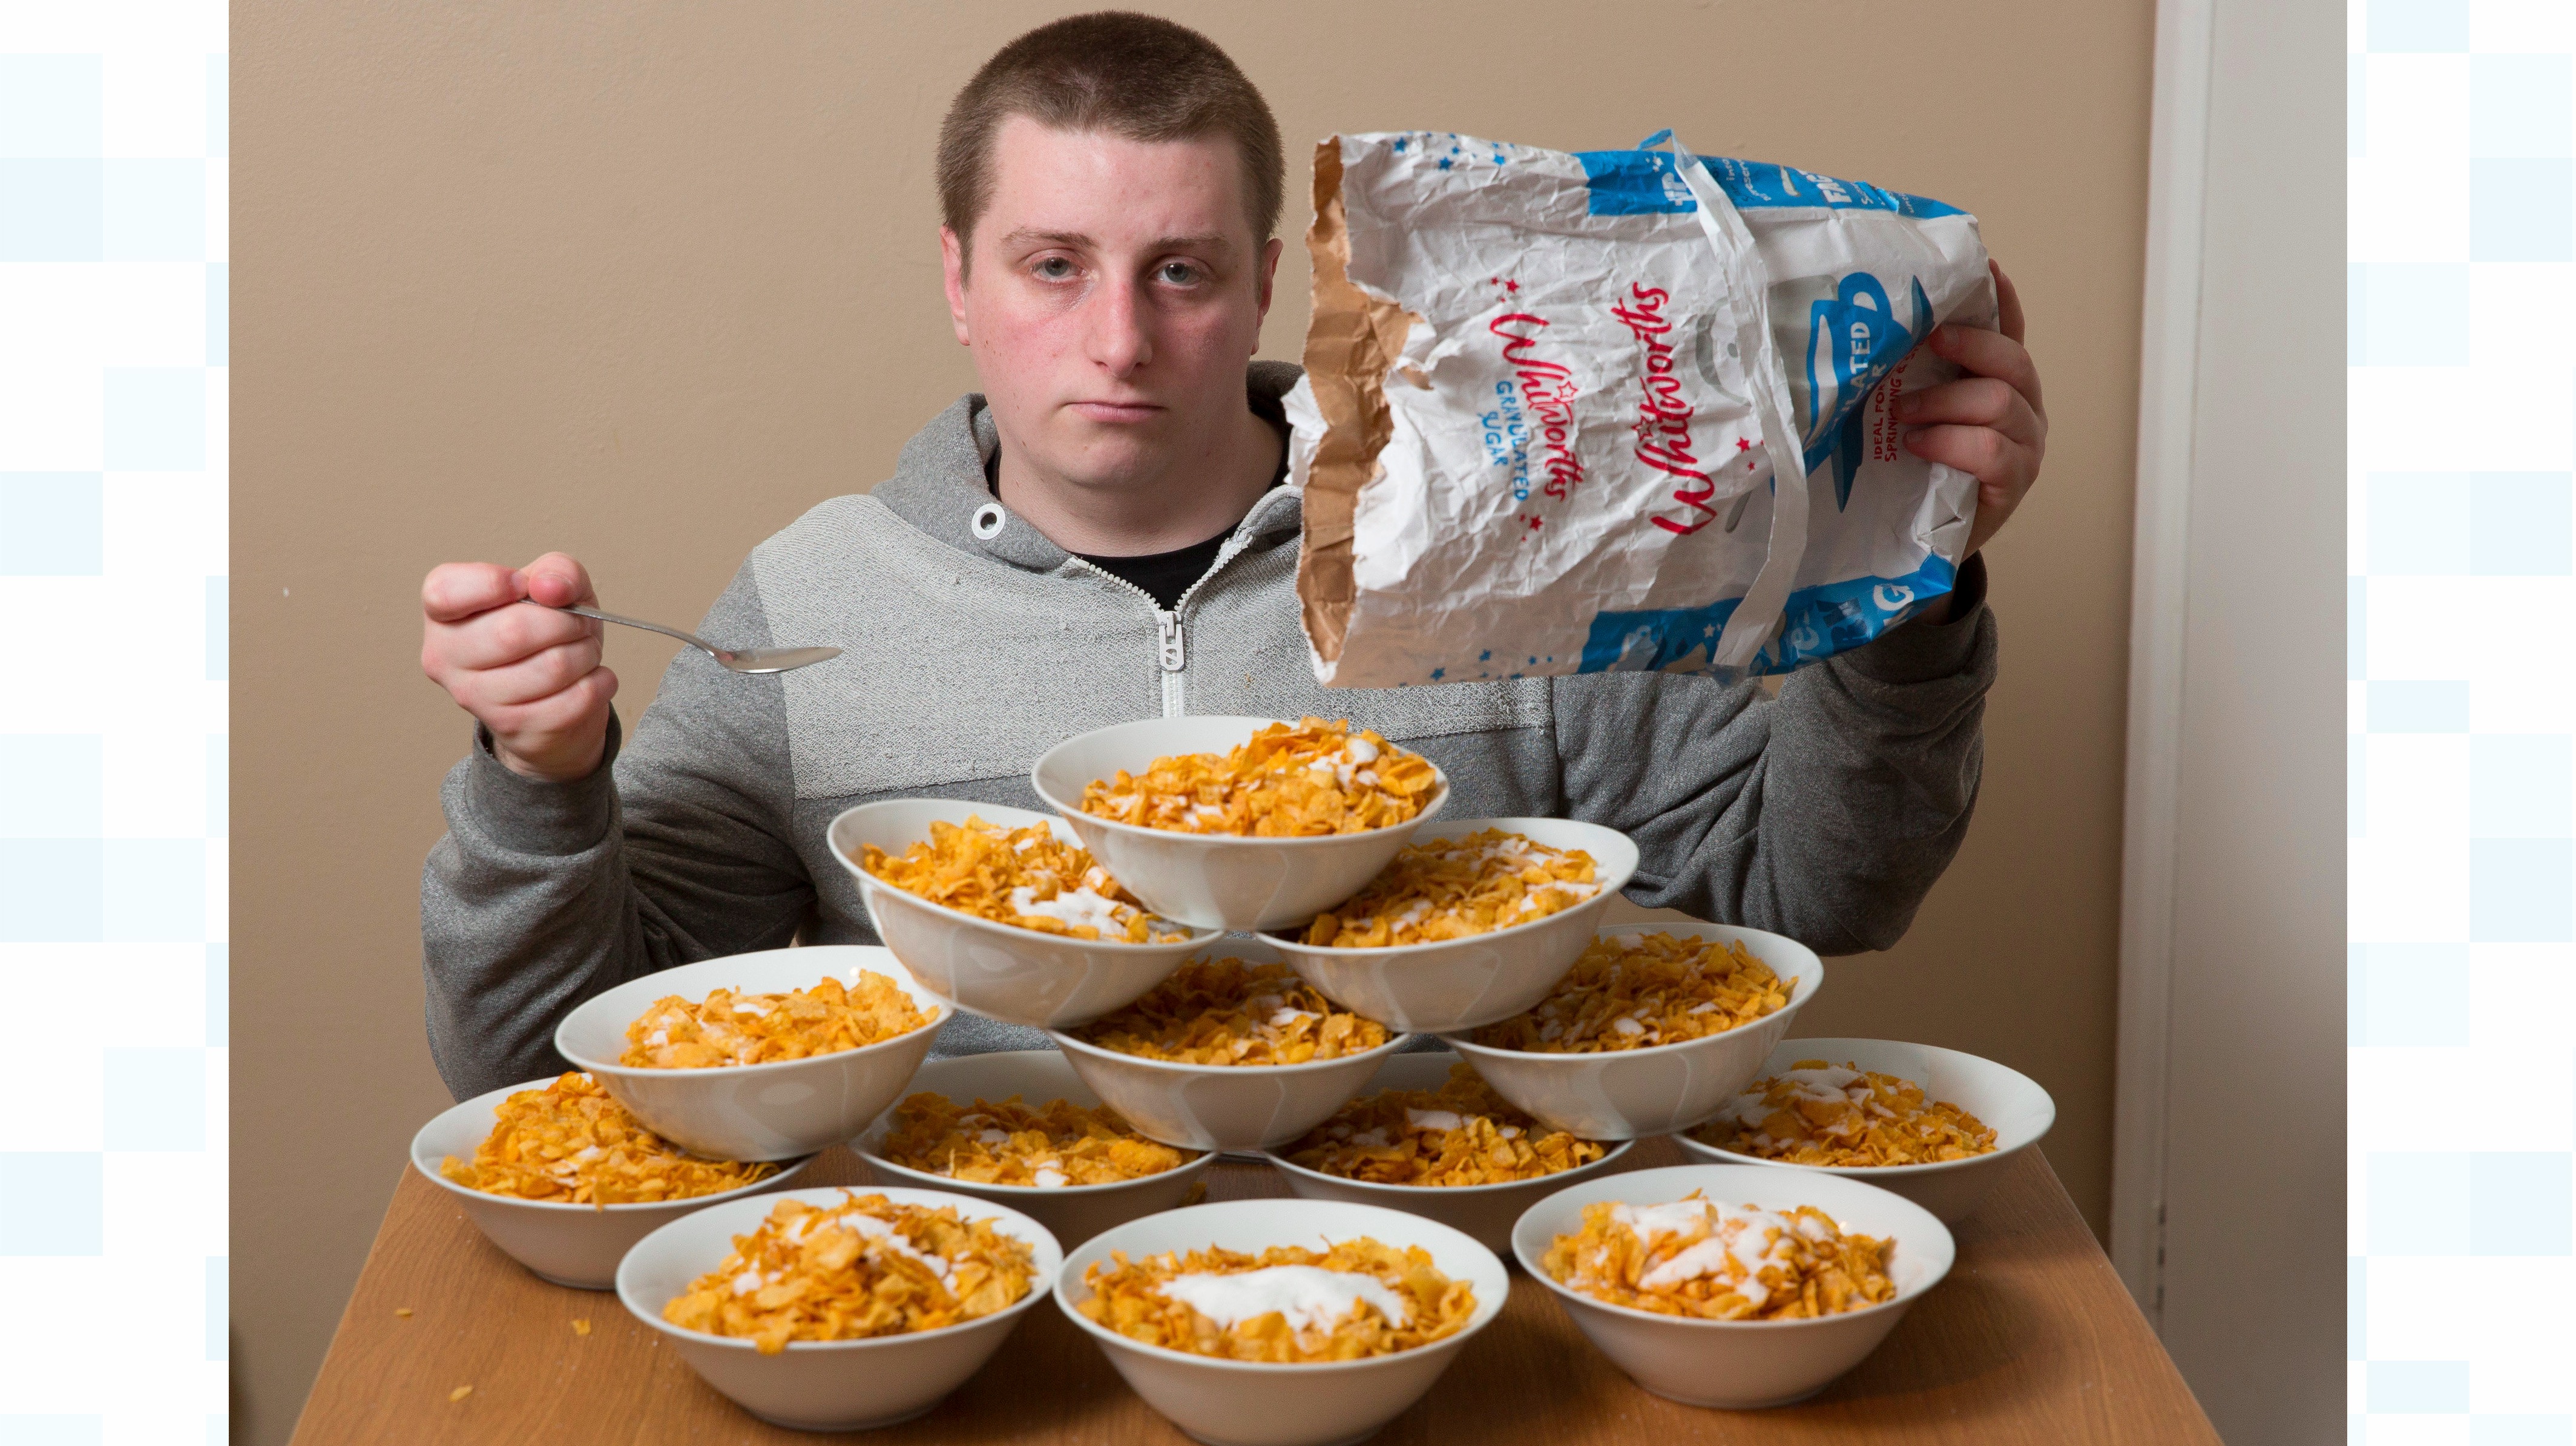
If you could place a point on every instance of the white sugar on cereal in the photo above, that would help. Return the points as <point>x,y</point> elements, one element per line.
<point>1311,1297</point>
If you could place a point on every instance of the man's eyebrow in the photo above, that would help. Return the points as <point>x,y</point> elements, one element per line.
<point>1213,241</point>
<point>1025,235</point>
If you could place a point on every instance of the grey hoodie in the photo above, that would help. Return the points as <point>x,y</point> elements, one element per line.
<point>1824,814</point>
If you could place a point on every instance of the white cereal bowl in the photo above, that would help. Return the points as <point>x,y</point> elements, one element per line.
<point>2006,1100</point>
<point>825,1385</point>
<point>1739,1365</point>
<point>574,1245</point>
<point>1217,881</point>
<point>999,970</point>
<point>1220,1107</point>
<point>1242,1403</point>
<point>1484,1212</point>
<point>1074,1213</point>
<point>1628,1094</point>
<point>753,1111</point>
<point>1462,983</point>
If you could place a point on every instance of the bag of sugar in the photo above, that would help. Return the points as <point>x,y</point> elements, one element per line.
<point>1549,398</point>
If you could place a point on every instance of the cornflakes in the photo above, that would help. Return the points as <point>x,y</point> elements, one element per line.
<point>571,1144</point>
<point>1451,888</point>
<point>1313,779</point>
<point>1288,1305</point>
<point>1695,1257</point>
<point>1821,1114</point>
<point>1632,991</point>
<point>1461,1134</point>
<point>730,1028</point>
<point>1226,1011</point>
<point>1010,1144</point>
<point>1026,877</point>
<point>865,1267</point>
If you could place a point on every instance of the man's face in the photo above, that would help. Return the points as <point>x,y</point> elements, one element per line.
<point>1116,293</point>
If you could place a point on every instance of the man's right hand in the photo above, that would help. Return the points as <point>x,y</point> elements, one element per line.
<point>492,638</point>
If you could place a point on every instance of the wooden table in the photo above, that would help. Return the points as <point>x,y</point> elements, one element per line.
<point>2030,1340</point>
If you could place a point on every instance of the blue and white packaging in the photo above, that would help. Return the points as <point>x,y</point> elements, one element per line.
<point>1548,394</point>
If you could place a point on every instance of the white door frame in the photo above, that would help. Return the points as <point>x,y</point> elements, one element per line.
<point>2169,357</point>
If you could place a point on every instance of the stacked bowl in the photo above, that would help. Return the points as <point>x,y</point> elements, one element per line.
<point>1236,896</point>
<point>783,1112</point>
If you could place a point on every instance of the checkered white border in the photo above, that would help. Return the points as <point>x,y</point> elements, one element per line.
<point>114,311</point>
<point>2462,999</point>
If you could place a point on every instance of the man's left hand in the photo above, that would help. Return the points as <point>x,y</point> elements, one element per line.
<point>1989,423</point>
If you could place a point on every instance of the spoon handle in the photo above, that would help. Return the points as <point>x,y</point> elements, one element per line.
<point>692,639</point>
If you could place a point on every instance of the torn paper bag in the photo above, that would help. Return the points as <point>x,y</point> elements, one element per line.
<point>1547,396</point>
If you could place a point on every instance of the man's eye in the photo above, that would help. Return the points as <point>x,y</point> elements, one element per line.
<point>1055,268</point>
<point>1179,273</point>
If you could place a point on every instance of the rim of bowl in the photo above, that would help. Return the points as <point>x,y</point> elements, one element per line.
<point>1571,1059</point>
<point>876,1161</point>
<point>746,1343</point>
<point>1107,1336</point>
<point>1066,1042</point>
<point>870,886</point>
<point>1036,1192</point>
<point>1904,1295</point>
<point>1460,1192</point>
<point>1459,1040</point>
<point>785,1169</point>
<point>1610,887</point>
<point>788,1169</point>
<point>1070,811</point>
<point>1488,1311</point>
<point>1866,1173</point>
<point>1439,799</point>
<point>941,1013</point>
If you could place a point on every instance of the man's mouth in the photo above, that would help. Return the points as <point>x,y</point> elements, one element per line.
<point>1117,412</point>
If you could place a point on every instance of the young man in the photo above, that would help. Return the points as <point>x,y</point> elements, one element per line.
<point>1101,534</point>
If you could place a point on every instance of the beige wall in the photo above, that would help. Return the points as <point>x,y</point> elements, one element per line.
<point>643,281</point>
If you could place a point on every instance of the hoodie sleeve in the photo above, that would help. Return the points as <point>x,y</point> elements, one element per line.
<point>676,848</point>
<point>1825,814</point>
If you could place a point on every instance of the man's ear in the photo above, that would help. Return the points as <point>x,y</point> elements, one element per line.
<point>952,275</point>
<point>1269,276</point>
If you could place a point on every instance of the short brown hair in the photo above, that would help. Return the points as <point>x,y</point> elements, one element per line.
<point>1136,76</point>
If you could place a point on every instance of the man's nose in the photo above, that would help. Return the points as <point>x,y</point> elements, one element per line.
<point>1118,339</point>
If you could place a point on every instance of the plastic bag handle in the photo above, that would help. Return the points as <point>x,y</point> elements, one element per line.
<point>1757,617</point>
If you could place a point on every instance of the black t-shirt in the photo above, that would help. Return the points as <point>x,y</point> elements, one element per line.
<point>1167,575</point>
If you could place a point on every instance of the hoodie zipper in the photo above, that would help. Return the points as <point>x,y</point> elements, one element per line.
<point>1171,650</point>
<point>1171,638</point>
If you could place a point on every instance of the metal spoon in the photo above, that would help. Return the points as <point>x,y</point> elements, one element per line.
<point>748,660</point>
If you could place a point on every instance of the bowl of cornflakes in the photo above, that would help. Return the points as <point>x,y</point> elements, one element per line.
<point>764,1056</point>
<point>1428,1136</point>
<point>840,1309</point>
<point>1655,1028</point>
<point>1731,1285</point>
<point>1239,823</point>
<point>1281,1322</point>
<point>1469,923</point>
<point>1232,1052</point>
<point>1020,1128</point>
<point>563,1179</point>
<point>1002,911</point>
<point>1934,1125</point>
